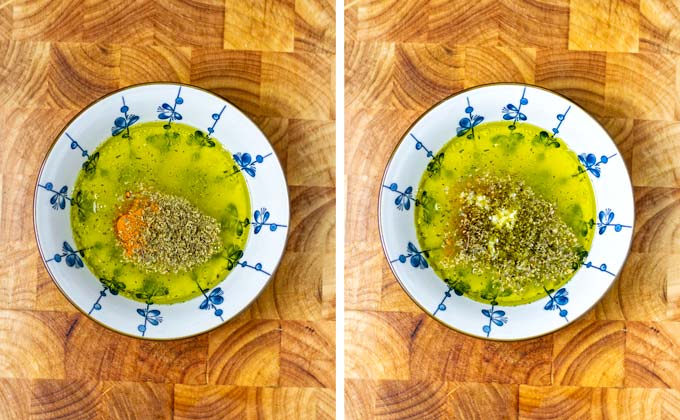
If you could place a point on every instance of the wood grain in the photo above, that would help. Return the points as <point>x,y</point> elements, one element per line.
<point>588,403</point>
<point>260,25</point>
<point>274,60</point>
<point>499,64</point>
<point>171,64</point>
<point>652,355</point>
<point>657,31</point>
<point>436,353</point>
<point>219,402</point>
<point>615,58</point>
<point>588,353</point>
<point>586,76</point>
<point>637,83</point>
<point>605,25</point>
<point>425,74</point>
<point>245,353</point>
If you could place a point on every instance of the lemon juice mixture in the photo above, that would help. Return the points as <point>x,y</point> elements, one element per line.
<point>505,215</point>
<point>161,212</point>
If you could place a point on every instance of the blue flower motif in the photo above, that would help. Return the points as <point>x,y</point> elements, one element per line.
<point>468,124</point>
<point>71,256</point>
<point>441,306</point>
<point>260,220</point>
<point>591,164</point>
<point>59,198</point>
<point>415,257</point>
<point>112,286</point>
<point>560,119</point>
<point>168,112</point>
<point>606,218</point>
<point>256,267</point>
<point>601,267</point>
<point>212,300</point>
<point>246,163</point>
<point>151,316</point>
<point>514,113</point>
<point>75,145</point>
<point>215,117</point>
<point>556,302</point>
<point>495,317</point>
<point>403,200</point>
<point>420,145</point>
<point>121,124</point>
<point>234,255</point>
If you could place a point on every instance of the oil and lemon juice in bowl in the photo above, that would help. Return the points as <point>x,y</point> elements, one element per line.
<point>161,210</point>
<point>505,214</point>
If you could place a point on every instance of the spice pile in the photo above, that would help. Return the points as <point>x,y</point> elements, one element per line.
<point>166,234</point>
<point>505,229</point>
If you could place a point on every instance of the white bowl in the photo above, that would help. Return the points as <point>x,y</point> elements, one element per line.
<point>222,121</point>
<point>599,156</point>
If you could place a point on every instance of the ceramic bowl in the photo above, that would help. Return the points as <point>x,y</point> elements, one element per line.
<point>598,156</point>
<point>220,120</point>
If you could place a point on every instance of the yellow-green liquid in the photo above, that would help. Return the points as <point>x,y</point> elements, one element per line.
<point>526,152</point>
<point>180,161</point>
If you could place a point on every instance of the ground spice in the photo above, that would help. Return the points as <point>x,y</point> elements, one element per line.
<point>165,233</point>
<point>506,229</point>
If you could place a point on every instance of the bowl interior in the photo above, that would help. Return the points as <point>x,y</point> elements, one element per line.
<point>74,147</point>
<point>599,156</point>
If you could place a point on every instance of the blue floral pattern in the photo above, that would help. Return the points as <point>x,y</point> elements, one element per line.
<point>403,200</point>
<point>234,256</point>
<point>557,300</point>
<point>606,218</point>
<point>601,267</point>
<point>260,218</point>
<point>215,118</point>
<point>112,286</point>
<point>468,124</point>
<point>514,113</point>
<point>590,163</point>
<point>123,124</point>
<point>420,145</point>
<point>75,145</point>
<point>59,198</point>
<point>71,256</point>
<point>442,306</point>
<point>495,317</point>
<point>560,120</point>
<point>169,112</point>
<point>246,163</point>
<point>151,316</point>
<point>212,300</point>
<point>415,257</point>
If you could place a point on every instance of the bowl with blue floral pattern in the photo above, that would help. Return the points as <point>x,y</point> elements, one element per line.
<point>506,212</point>
<point>161,211</point>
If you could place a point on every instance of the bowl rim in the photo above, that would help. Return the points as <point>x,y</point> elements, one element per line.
<point>35,198</point>
<point>383,180</point>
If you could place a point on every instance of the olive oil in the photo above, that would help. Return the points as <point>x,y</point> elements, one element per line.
<point>178,161</point>
<point>535,232</point>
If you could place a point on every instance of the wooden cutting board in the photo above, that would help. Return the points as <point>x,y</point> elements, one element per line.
<point>273,59</point>
<point>620,61</point>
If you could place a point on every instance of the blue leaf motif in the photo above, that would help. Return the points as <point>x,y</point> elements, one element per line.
<point>496,317</point>
<point>141,312</point>
<point>468,124</point>
<point>416,258</point>
<point>606,218</point>
<point>260,220</point>
<point>216,296</point>
<point>513,113</point>
<point>168,112</point>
